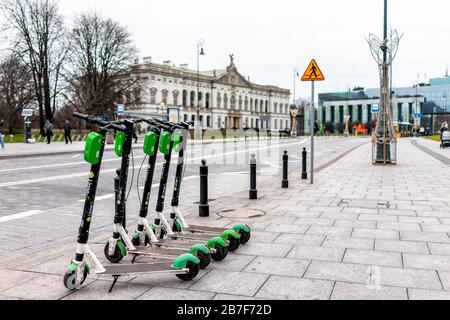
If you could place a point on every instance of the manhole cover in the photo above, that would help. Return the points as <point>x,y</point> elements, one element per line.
<point>242,213</point>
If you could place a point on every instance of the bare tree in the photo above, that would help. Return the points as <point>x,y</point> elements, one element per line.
<point>16,91</point>
<point>100,58</point>
<point>39,40</point>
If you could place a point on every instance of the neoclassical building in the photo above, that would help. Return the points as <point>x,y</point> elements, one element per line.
<point>226,99</point>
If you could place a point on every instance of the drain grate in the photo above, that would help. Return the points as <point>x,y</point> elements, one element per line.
<point>242,213</point>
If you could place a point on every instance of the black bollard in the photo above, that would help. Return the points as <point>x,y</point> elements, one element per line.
<point>204,206</point>
<point>285,182</point>
<point>304,173</point>
<point>253,191</point>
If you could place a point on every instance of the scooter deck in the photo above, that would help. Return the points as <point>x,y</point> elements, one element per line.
<point>174,244</point>
<point>141,268</point>
<point>193,236</point>
<point>157,251</point>
<point>205,229</point>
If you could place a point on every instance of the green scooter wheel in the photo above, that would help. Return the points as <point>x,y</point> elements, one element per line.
<point>116,257</point>
<point>245,236</point>
<point>194,268</point>
<point>205,259</point>
<point>220,253</point>
<point>234,244</point>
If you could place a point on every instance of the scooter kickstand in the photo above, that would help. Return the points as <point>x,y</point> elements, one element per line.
<point>116,277</point>
<point>134,259</point>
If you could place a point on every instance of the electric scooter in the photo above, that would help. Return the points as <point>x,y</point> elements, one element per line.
<point>185,267</point>
<point>217,244</point>
<point>121,244</point>
<point>179,224</point>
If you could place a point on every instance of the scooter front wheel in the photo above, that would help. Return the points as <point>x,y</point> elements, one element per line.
<point>194,268</point>
<point>116,257</point>
<point>70,278</point>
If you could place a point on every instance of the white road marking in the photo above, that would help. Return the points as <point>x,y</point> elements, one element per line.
<point>61,165</point>
<point>273,165</point>
<point>20,215</point>
<point>76,156</point>
<point>100,198</point>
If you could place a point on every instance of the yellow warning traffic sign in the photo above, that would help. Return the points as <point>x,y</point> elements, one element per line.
<point>313,72</point>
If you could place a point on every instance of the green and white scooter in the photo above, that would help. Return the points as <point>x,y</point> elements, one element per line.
<point>185,267</point>
<point>174,141</point>
<point>179,224</point>
<point>121,244</point>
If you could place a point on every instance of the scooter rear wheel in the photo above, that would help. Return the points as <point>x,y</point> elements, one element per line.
<point>220,253</point>
<point>193,272</point>
<point>234,244</point>
<point>245,236</point>
<point>205,259</point>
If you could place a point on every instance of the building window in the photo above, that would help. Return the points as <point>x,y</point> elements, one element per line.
<point>200,99</point>
<point>240,102</point>
<point>360,114</point>
<point>261,106</point>
<point>400,112</point>
<point>219,122</point>
<point>341,114</point>
<point>192,100</point>
<point>175,98</point>
<point>207,101</point>
<point>369,113</point>
<point>219,101</point>
<point>193,118</point>
<point>324,115</point>
<point>246,103</point>
<point>233,102</point>
<point>275,107</point>
<point>153,92</point>
<point>276,124</point>
<point>350,113</point>
<point>266,107</point>
<point>185,118</point>
<point>256,105</point>
<point>410,112</point>
<point>251,104</point>
<point>333,114</point>
<point>165,93</point>
<point>208,121</point>
<point>257,123</point>
<point>225,101</point>
<point>185,94</point>
<point>251,123</point>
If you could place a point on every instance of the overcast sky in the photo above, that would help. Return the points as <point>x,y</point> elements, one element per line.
<point>270,38</point>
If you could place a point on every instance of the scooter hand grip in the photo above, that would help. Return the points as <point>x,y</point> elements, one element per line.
<point>117,127</point>
<point>80,116</point>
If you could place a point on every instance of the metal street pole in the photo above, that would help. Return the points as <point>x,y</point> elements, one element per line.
<point>312,132</point>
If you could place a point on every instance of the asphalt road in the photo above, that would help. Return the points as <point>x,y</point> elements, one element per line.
<point>42,183</point>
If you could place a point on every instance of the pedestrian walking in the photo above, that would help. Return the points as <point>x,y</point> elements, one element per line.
<point>67,132</point>
<point>135,137</point>
<point>2,143</point>
<point>48,131</point>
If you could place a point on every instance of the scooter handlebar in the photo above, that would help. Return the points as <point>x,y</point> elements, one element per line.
<point>98,121</point>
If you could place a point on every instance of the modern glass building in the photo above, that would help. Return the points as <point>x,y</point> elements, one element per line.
<point>432,100</point>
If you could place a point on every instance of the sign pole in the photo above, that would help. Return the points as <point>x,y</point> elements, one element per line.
<point>312,131</point>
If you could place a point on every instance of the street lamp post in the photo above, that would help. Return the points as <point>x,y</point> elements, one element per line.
<point>200,52</point>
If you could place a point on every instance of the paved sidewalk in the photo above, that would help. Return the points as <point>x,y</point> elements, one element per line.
<point>360,232</point>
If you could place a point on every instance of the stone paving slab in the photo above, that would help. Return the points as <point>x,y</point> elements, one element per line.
<point>352,291</point>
